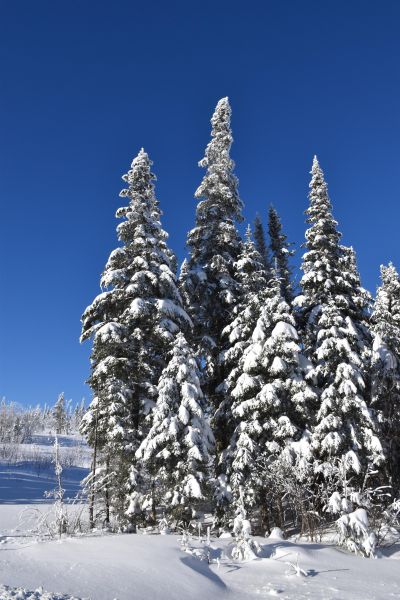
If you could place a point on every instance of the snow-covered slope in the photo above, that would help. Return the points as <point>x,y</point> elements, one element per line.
<point>139,567</point>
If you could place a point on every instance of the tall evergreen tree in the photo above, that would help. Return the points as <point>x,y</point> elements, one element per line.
<point>177,449</point>
<point>336,340</point>
<point>133,324</point>
<point>280,251</point>
<point>252,277</point>
<point>261,244</point>
<point>60,414</point>
<point>208,283</point>
<point>385,322</point>
<point>272,400</point>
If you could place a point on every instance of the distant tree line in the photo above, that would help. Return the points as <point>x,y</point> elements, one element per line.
<point>19,423</point>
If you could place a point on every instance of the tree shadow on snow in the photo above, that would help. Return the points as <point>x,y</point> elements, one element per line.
<point>203,568</point>
<point>314,573</point>
<point>232,567</point>
<point>391,550</point>
<point>20,484</point>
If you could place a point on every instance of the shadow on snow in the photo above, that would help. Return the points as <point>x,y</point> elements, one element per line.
<point>24,483</point>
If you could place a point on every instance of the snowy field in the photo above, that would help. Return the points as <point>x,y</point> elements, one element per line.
<point>29,474</point>
<point>147,567</point>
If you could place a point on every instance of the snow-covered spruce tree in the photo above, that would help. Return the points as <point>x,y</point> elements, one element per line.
<point>133,324</point>
<point>271,401</point>
<point>60,414</point>
<point>251,274</point>
<point>280,253</point>
<point>177,450</point>
<point>208,284</point>
<point>261,244</point>
<point>353,526</point>
<point>79,412</point>
<point>385,323</point>
<point>334,318</point>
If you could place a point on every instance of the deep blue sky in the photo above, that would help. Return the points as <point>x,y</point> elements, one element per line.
<point>83,85</point>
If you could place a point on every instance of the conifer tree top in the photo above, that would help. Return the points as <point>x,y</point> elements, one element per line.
<point>260,242</point>
<point>220,185</point>
<point>321,268</point>
<point>207,279</point>
<point>141,272</point>
<point>385,318</point>
<point>139,176</point>
<point>320,204</point>
<point>389,274</point>
<point>280,254</point>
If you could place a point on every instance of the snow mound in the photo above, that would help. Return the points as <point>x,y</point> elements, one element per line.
<point>9,593</point>
<point>276,533</point>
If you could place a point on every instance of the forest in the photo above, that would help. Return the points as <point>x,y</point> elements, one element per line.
<point>223,389</point>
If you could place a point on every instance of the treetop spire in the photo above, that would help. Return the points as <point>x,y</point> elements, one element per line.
<point>248,234</point>
<point>222,113</point>
<point>220,184</point>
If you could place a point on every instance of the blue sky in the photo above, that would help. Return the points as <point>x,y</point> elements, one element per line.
<point>83,85</point>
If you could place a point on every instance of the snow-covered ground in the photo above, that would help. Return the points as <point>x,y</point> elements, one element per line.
<point>152,567</point>
<point>142,567</point>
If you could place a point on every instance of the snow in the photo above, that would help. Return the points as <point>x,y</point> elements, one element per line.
<point>26,479</point>
<point>110,332</point>
<point>192,488</point>
<point>278,365</point>
<point>155,567</point>
<point>137,306</point>
<point>352,462</point>
<point>381,352</point>
<point>335,503</point>
<point>8,593</point>
<point>284,329</point>
<point>172,309</point>
<point>355,533</point>
<point>276,534</point>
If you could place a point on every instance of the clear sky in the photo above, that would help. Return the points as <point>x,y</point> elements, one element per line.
<point>85,84</point>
